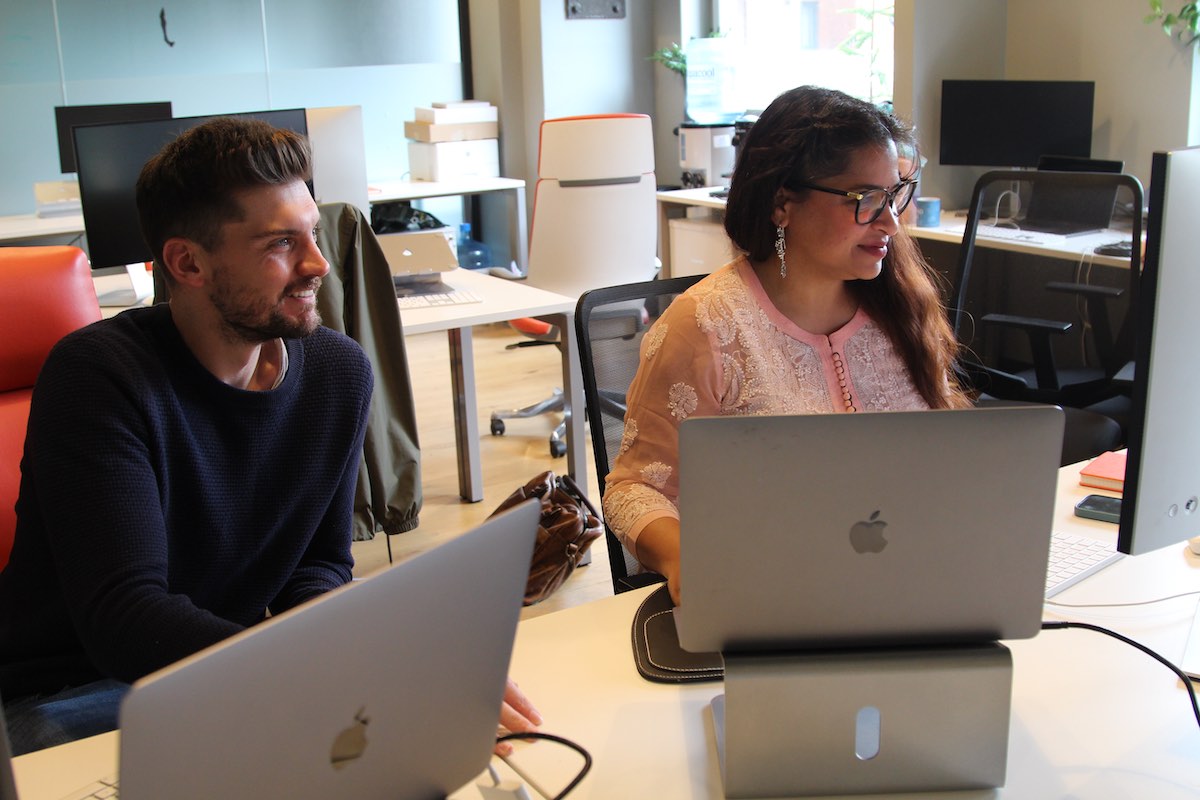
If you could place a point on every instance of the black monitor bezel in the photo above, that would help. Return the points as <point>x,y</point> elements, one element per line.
<point>109,203</point>
<point>1012,123</point>
<point>67,118</point>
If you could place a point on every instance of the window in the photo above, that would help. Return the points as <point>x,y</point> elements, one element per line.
<point>841,44</point>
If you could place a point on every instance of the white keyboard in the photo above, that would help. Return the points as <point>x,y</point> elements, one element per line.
<point>1014,234</point>
<point>1073,558</point>
<point>457,297</point>
<point>102,789</point>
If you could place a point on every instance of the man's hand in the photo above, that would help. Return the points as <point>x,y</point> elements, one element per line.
<point>517,715</point>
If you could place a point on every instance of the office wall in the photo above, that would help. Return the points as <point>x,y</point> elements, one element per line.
<point>938,39</point>
<point>219,56</point>
<point>1144,81</point>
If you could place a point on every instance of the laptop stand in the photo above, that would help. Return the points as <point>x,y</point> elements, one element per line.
<point>864,721</point>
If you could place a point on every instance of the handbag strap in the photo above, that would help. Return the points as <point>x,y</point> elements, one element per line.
<point>573,487</point>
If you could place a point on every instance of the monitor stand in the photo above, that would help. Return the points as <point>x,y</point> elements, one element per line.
<point>864,721</point>
<point>141,286</point>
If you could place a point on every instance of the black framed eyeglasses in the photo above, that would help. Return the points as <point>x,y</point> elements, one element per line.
<point>869,204</point>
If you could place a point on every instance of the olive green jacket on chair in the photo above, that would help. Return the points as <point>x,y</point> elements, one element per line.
<point>358,298</point>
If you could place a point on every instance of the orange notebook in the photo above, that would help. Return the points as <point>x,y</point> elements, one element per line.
<point>1106,471</point>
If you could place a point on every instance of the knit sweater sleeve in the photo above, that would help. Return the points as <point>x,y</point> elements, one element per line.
<point>326,562</point>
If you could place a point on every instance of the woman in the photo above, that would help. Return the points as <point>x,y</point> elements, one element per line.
<point>830,308</point>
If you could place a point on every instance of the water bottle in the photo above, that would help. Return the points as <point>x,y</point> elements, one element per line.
<point>472,254</point>
<point>710,92</point>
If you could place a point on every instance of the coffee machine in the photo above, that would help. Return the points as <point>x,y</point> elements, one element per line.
<point>705,154</point>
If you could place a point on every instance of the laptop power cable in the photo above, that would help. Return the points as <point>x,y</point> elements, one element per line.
<point>1187,682</point>
<point>515,790</point>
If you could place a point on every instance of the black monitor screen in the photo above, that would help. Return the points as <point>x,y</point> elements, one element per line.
<point>67,118</point>
<point>1014,123</point>
<point>110,158</point>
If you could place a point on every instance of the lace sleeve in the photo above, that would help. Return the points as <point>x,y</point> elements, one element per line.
<point>678,377</point>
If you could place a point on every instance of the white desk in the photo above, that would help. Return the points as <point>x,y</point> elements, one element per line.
<point>20,227</point>
<point>1092,718</point>
<point>502,300</point>
<point>1074,248</point>
<point>518,231</point>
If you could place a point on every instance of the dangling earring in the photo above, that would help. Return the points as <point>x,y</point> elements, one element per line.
<point>780,249</point>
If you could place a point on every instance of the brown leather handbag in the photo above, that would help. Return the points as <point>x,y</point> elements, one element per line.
<point>566,529</point>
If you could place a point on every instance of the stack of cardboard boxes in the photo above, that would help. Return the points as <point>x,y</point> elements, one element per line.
<point>453,140</point>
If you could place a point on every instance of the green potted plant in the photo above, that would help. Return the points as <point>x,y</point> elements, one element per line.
<point>673,58</point>
<point>1184,22</point>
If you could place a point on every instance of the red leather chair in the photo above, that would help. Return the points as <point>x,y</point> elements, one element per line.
<point>45,293</point>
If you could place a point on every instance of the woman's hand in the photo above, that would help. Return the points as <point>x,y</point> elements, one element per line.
<point>517,715</point>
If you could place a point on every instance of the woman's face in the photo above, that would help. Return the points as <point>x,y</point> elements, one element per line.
<point>824,242</point>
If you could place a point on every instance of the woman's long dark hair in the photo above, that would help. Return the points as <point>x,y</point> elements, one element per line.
<point>808,134</point>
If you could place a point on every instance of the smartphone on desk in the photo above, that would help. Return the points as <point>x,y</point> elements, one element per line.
<point>1101,507</point>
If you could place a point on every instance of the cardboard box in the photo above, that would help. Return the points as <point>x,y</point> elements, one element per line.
<point>448,132</point>
<point>458,113</point>
<point>439,161</point>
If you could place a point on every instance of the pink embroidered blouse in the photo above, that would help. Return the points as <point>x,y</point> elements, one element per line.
<point>722,348</point>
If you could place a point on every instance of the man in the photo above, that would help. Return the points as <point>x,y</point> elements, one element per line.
<point>189,467</point>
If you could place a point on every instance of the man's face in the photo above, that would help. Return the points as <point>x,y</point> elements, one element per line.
<point>267,269</point>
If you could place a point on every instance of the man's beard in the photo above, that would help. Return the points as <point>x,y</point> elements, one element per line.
<point>259,321</point>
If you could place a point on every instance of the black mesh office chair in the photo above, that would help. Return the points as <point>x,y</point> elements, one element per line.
<point>1049,329</point>
<point>610,338</point>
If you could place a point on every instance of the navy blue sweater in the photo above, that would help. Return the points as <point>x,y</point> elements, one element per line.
<point>162,510</point>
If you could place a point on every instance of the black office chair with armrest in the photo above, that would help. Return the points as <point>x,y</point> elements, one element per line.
<point>1027,345</point>
<point>609,348</point>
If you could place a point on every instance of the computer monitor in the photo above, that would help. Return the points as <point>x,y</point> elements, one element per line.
<point>1077,164</point>
<point>67,118</point>
<point>110,158</point>
<point>1160,502</point>
<point>1013,123</point>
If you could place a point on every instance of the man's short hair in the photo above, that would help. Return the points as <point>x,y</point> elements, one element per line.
<point>189,188</point>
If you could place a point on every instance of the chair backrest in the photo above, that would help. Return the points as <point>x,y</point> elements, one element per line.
<point>45,293</point>
<point>610,339</point>
<point>594,210</point>
<point>1071,312</point>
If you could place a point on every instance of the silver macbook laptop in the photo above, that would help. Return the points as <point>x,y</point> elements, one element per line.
<point>848,530</point>
<point>387,688</point>
<point>417,253</point>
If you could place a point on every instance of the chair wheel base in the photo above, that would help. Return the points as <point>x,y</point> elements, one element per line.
<point>497,427</point>
<point>558,449</point>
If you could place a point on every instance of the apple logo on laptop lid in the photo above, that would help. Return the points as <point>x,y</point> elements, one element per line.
<point>867,536</point>
<point>350,744</point>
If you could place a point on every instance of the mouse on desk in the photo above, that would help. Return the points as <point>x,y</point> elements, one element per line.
<point>1194,545</point>
<point>1114,249</point>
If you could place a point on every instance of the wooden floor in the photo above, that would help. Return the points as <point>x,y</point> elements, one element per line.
<point>505,378</point>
